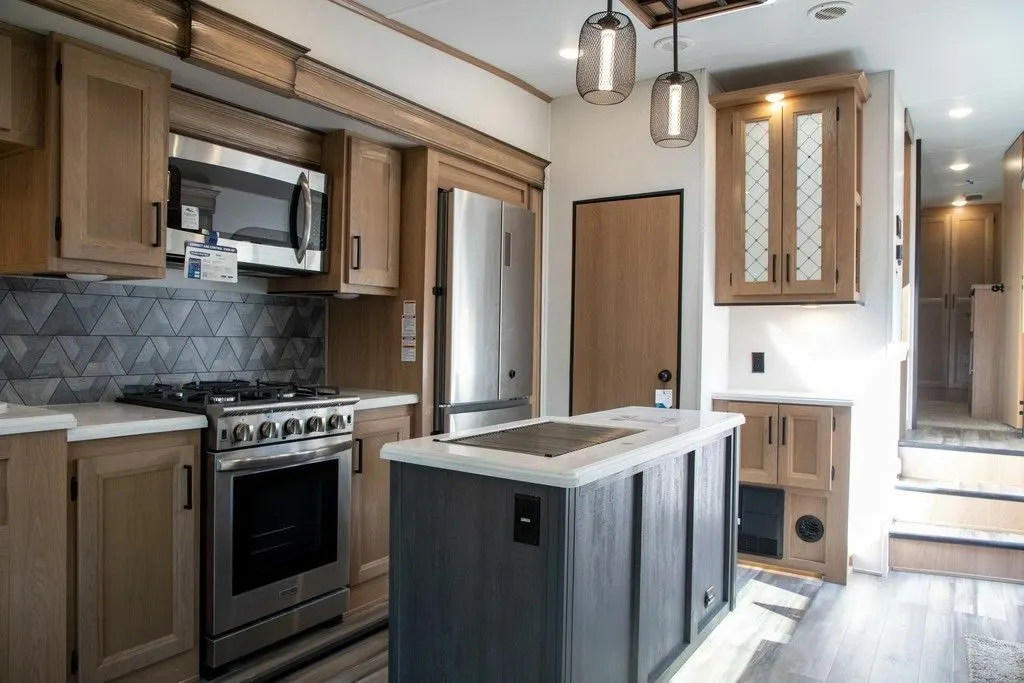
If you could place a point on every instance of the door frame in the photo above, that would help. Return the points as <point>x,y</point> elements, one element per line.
<point>679,286</point>
<point>918,218</point>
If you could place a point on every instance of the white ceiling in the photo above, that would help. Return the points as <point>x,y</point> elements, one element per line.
<point>945,53</point>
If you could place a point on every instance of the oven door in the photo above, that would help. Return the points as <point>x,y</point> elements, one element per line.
<point>273,213</point>
<point>277,531</point>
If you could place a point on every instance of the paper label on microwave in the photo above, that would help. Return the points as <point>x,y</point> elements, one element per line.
<point>190,218</point>
<point>211,262</point>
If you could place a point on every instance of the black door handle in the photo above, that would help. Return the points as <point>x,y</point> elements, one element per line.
<point>665,376</point>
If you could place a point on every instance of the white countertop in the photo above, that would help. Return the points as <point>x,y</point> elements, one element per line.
<point>795,397</point>
<point>665,431</point>
<point>371,399</point>
<point>17,419</point>
<point>108,420</point>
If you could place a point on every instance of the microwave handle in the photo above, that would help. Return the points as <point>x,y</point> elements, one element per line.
<point>307,224</point>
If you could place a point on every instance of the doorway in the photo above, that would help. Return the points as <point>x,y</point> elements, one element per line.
<point>626,297</point>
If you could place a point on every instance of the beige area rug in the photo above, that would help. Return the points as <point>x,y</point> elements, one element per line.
<point>994,661</point>
<point>955,416</point>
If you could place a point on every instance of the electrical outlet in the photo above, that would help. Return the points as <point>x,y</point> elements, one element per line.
<point>757,361</point>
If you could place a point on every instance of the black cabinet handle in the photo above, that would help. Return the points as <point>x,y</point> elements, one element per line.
<point>358,469</point>
<point>159,225</point>
<point>769,430</point>
<point>787,267</point>
<point>188,487</point>
<point>782,438</point>
<point>774,264</point>
<point>357,248</point>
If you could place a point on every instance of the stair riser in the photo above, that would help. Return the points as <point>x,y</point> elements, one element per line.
<point>960,560</point>
<point>979,513</point>
<point>969,468</point>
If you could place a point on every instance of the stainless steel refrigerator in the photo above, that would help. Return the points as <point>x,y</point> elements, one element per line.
<point>484,297</point>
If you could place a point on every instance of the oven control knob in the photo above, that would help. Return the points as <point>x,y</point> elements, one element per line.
<point>268,430</point>
<point>315,424</point>
<point>292,426</point>
<point>244,432</point>
<point>335,421</point>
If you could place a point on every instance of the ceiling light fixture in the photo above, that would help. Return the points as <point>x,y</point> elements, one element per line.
<point>606,67</point>
<point>960,112</point>
<point>959,202</point>
<point>959,167</point>
<point>675,100</point>
<point>775,97</point>
<point>569,53</point>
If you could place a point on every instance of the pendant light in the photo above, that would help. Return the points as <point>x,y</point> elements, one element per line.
<point>606,66</point>
<point>675,100</point>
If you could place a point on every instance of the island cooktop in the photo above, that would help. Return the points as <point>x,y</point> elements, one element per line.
<point>545,439</point>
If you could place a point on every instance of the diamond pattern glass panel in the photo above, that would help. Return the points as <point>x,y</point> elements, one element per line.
<point>755,212</point>
<point>808,196</point>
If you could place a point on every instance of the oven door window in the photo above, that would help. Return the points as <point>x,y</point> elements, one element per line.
<point>285,523</point>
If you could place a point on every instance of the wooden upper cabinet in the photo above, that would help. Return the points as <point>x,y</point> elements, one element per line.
<point>788,208</point>
<point>759,441</point>
<point>113,158</point>
<point>21,63</point>
<point>805,446</point>
<point>374,198</point>
<point>137,545</point>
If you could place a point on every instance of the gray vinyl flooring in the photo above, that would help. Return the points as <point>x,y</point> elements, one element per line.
<point>906,628</point>
<point>947,425</point>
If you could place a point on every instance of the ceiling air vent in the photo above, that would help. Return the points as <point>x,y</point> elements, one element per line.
<point>974,197</point>
<point>830,11</point>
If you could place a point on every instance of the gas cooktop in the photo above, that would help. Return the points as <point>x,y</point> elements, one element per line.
<point>199,396</point>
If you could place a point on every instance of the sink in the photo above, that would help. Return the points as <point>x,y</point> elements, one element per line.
<point>545,439</point>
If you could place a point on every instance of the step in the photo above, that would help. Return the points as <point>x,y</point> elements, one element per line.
<point>954,551</point>
<point>942,507</point>
<point>969,467</point>
<point>953,488</point>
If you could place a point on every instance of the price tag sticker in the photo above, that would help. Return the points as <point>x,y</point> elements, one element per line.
<point>190,218</point>
<point>211,262</point>
<point>663,398</point>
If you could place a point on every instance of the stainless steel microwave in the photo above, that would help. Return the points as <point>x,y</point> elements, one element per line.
<point>273,213</point>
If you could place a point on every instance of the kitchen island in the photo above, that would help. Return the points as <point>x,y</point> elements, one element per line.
<point>595,548</point>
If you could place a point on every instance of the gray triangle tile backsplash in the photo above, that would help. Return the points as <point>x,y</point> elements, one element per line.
<point>63,341</point>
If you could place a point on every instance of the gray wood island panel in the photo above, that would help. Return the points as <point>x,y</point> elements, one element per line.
<point>617,579</point>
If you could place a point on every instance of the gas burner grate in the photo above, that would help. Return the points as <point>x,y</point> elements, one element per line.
<point>201,393</point>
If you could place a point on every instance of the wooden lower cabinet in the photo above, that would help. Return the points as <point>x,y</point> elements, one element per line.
<point>805,446</point>
<point>759,450</point>
<point>369,539</point>
<point>136,551</point>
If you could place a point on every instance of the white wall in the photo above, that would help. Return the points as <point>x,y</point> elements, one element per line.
<point>847,349</point>
<point>606,152</point>
<point>404,66</point>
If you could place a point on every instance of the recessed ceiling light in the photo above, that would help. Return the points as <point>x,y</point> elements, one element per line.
<point>569,53</point>
<point>959,167</point>
<point>960,112</point>
<point>665,43</point>
<point>959,202</point>
<point>775,97</point>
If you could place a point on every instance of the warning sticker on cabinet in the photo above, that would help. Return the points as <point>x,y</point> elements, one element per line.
<point>409,331</point>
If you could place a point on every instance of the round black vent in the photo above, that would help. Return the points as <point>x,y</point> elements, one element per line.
<point>810,529</point>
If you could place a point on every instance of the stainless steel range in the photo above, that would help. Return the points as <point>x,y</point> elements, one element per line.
<point>276,504</point>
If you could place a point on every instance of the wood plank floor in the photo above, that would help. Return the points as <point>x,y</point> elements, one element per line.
<point>906,628</point>
<point>948,425</point>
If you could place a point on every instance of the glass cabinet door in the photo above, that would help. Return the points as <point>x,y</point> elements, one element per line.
<point>810,133</point>
<point>757,200</point>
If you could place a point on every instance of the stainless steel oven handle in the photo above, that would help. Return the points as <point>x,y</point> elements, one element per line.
<point>307,224</point>
<point>269,462</point>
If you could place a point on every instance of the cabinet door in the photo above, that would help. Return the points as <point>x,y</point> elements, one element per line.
<point>805,447</point>
<point>137,539</point>
<point>113,158</point>
<point>759,463</point>
<point>371,482</point>
<point>972,256</point>
<point>810,136</point>
<point>933,301</point>
<point>374,200</point>
<point>6,83</point>
<point>757,198</point>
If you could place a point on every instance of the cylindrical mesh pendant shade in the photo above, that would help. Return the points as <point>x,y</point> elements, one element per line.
<point>675,109</point>
<point>606,66</point>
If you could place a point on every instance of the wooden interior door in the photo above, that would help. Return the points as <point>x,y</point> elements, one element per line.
<point>626,282</point>
<point>933,312</point>
<point>810,134</point>
<point>757,178</point>
<point>805,446</point>
<point>972,257</point>
<point>759,442</point>
<point>374,201</point>
<point>114,125</point>
<point>137,541</point>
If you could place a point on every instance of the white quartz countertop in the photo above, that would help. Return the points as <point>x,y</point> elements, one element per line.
<point>18,419</point>
<point>371,399</point>
<point>108,420</point>
<point>664,431</point>
<point>795,397</point>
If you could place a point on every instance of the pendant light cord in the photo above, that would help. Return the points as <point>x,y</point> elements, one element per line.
<point>609,7</point>
<point>675,35</point>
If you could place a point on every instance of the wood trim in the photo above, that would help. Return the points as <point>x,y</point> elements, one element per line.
<point>205,118</point>
<point>857,80</point>
<point>687,12</point>
<point>454,172</point>
<point>536,204</point>
<point>259,57</point>
<point>408,31</point>
<point>364,416</point>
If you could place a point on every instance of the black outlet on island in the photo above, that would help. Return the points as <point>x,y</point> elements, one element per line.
<point>757,361</point>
